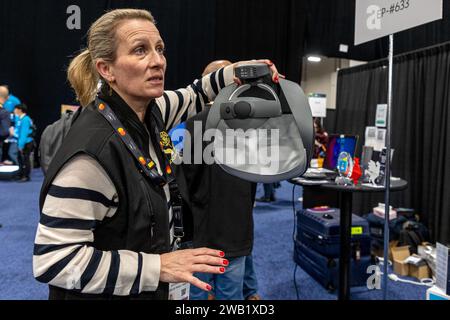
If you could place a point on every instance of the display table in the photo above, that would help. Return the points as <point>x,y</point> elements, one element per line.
<point>344,196</point>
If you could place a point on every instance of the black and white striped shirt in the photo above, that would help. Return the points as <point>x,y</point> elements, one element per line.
<point>82,195</point>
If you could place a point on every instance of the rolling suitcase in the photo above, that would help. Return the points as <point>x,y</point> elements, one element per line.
<point>325,270</point>
<point>319,229</point>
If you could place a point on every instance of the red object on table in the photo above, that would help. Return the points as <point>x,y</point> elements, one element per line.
<point>356,173</point>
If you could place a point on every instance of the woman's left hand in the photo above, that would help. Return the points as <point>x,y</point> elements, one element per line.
<point>275,75</point>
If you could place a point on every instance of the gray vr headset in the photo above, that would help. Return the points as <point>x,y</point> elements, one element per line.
<point>265,130</point>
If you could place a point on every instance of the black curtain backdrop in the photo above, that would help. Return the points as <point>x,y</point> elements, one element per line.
<point>36,46</point>
<point>420,129</point>
<point>252,29</point>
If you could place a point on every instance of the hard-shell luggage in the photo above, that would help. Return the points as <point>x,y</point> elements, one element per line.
<point>320,230</point>
<point>325,270</point>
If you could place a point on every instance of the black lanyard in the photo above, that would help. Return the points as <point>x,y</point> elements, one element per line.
<point>147,165</point>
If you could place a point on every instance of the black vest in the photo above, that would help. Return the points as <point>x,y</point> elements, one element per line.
<point>141,222</point>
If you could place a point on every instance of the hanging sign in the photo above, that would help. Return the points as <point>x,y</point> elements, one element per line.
<point>318,104</point>
<point>381,115</point>
<point>379,18</point>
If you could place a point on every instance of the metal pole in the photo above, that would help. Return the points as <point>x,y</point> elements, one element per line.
<point>387,180</point>
<point>345,203</point>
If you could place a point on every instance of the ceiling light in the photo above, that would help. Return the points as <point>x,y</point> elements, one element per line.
<point>314,59</point>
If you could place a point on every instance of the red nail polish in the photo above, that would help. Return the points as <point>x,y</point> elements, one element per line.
<point>276,79</point>
<point>208,287</point>
<point>225,262</point>
<point>222,269</point>
<point>222,254</point>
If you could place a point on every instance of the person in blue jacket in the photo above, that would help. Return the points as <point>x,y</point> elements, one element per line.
<point>23,133</point>
<point>9,103</point>
<point>11,100</point>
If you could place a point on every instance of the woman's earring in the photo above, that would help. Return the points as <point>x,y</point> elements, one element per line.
<point>110,88</point>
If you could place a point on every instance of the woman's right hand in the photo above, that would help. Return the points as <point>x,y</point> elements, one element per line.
<point>180,265</point>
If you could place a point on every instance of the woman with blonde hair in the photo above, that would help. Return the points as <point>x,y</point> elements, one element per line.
<point>110,222</point>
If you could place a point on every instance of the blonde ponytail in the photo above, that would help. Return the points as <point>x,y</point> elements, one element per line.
<point>82,73</point>
<point>83,77</point>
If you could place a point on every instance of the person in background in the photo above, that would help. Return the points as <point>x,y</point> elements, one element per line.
<point>22,132</point>
<point>53,136</point>
<point>11,101</point>
<point>250,290</point>
<point>269,192</point>
<point>5,123</point>
<point>13,150</point>
<point>321,140</point>
<point>222,208</point>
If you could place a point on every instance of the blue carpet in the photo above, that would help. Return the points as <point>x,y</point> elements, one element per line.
<point>273,249</point>
<point>19,207</point>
